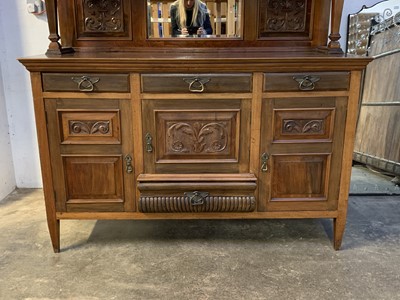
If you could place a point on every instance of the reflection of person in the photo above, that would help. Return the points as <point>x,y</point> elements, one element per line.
<point>190,17</point>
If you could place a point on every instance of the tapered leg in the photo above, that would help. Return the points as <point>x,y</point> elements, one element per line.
<point>54,230</point>
<point>339,224</point>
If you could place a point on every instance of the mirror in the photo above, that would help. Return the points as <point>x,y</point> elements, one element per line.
<point>381,18</point>
<point>215,19</point>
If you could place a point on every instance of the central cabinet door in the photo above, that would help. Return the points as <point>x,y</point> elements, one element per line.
<point>196,135</point>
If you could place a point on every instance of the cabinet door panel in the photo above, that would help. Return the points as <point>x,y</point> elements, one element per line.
<point>300,177</point>
<point>196,136</point>
<point>93,178</point>
<point>301,143</point>
<point>89,141</point>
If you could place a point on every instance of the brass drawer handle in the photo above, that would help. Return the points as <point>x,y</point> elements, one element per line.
<point>307,83</point>
<point>264,162</point>
<point>86,83</point>
<point>149,140</point>
<point>196,84</point>
<point>128,165</point>
<point>196,197</point>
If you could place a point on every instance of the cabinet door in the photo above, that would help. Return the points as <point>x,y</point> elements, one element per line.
<point>196,136</point>
<point>301,150</point>
<point>91,154</point>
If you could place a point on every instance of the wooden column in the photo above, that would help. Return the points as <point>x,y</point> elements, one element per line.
<point>55,47</point>
<point>334,36</point>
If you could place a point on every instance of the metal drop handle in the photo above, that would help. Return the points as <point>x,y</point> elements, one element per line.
<point>196,84</point>
<point>307,83</point>
<point>86,83</point>
<point>196,197</point>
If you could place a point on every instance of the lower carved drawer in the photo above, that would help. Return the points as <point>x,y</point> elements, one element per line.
<point>196,202</point>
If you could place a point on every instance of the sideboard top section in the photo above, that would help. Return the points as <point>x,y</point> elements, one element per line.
<point>117,25</point>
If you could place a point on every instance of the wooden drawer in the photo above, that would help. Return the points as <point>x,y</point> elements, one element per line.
<point>61,82</point>
<point>205,193</point>
<point>196,83</point>
<point>327,81</point>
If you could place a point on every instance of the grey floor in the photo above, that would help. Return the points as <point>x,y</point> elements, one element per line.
<point>236,259</point>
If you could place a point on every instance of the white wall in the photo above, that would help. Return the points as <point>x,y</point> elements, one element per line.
<point>7,177</point>
<point>23,34</point>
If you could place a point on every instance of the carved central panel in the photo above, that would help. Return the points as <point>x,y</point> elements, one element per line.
<point>283,16</point>
<point>103,15</point>
<point>197,137</point>
<point>188,135</point>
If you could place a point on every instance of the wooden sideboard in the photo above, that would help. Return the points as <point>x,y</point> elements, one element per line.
<point>189,133</point>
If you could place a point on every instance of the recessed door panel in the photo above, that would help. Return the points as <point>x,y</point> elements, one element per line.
<point>300,177</point>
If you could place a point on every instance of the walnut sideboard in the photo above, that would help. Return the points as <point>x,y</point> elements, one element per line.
<point>256,127</point>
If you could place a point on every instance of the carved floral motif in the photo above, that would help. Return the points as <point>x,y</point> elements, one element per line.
<point>303,126</point>
<point>197,137</point>
<point>103,15</point>
<point>89,127</point>
<point>284,15</point>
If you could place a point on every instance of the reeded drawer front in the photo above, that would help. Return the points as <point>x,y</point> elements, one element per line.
<point>61,82</point>
<point>327,81</point>
<point>196,83</point>
<point>194,203</point>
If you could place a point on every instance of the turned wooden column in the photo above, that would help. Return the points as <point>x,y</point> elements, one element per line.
<point>333,45</point>
<point>55,47</point>
<point>334,36</point>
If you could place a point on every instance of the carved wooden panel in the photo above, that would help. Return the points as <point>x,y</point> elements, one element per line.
<point>206,203</point>
<point>303,125</point>
<point>89,127</point>
<point>103,18</point>
<point>300,177</point>
<point>93,179</point>
<point>284,17</point>
<point>201,134</point>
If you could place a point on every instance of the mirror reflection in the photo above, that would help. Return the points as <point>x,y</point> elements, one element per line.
<point>194,18</point>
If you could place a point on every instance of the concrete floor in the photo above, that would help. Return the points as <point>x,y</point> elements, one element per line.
<point>238,259</point>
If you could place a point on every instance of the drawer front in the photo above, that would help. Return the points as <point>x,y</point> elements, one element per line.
<point>196,83</point>
<point>332,81</point>
<point>196,202</point>
<point>57,82</point>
